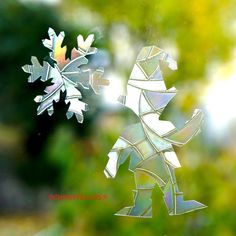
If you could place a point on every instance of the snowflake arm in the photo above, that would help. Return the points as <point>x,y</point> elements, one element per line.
<point>37,71</point>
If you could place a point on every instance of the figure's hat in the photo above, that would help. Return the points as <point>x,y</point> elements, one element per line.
<point>146,77</point>
<point>146,72</point>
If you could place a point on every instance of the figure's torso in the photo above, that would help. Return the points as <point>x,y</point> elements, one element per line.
<point>144,140</point>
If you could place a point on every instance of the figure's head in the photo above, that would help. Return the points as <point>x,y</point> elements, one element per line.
<point>146,75</point>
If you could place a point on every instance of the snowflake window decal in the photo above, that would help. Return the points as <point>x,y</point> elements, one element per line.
<point>65,75</point>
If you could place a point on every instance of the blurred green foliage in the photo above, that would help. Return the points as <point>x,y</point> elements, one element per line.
<point>69,157</point>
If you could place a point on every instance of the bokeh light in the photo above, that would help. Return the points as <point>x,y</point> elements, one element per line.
<point>220,95</point>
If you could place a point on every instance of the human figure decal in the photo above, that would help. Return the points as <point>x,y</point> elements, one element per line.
<point>149,143</point>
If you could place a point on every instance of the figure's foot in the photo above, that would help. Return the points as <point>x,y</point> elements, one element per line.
<point>175,203</point>
<point>134,212</point>
<point>142,205</point>
<point>181,206</point>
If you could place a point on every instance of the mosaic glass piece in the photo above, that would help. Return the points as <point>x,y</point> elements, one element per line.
<point>149,143</point>
<point>65,75</point>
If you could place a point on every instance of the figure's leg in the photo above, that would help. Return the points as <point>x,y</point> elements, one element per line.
<point>142,196</point>
<point>174,198</point>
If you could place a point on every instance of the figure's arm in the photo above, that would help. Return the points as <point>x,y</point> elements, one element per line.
<point>117,156</point>
<point>190,129</point>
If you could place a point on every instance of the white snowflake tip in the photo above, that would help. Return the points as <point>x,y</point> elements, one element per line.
<point>69,114</point>
<point>50,110</point>
<point>48,42</point>
<point>38,98</point>
<point>79,117</point>
<point>51,31</point>
<point>26,68</point>
<point>85,44</point>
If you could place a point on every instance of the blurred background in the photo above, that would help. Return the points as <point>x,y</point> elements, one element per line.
<point>41,155</point>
